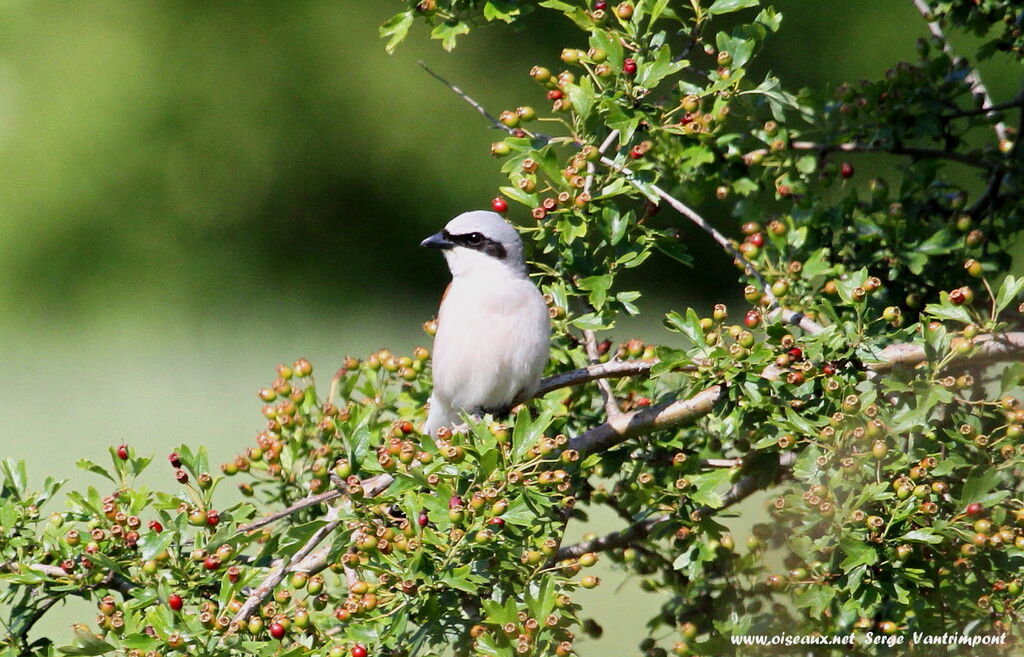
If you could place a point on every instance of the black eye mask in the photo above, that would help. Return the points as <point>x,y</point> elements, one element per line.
<point>478,242</point>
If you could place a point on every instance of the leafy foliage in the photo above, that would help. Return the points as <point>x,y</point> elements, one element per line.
<point>862,388</point>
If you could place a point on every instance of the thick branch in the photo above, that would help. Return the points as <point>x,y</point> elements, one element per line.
<point>673,414</point>
<point>989,349</point>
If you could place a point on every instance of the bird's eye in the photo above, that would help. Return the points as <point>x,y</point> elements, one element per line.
<point>474,238</point>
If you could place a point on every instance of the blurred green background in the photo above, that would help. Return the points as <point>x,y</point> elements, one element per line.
<point>192,192</point>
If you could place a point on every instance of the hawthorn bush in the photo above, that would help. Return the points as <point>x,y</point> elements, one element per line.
<point>869,387</point>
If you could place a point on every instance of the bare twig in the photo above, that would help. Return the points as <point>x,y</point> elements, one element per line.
<point>611,407</point>
<point>972,78</point>
<point>495,123</point>
<point>1017,102</point>
<point>612,136</point>
<point>304,503</point>
<point>372,487</point>
<point>895,149</point>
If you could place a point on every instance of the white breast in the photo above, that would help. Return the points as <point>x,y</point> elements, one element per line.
<point>492,342</point>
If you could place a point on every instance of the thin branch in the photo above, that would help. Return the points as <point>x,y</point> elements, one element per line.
<point>991,193</point>
<point>744,487</point>
<point>973,78</point>
<point>895,149</point>
<point>721,463</point>
<point>495,123</point>
<point>25,623</point>
<point>988,349</point>
<point>304,503</point>
<point>611,407</point>
<point>1017,102</point>
<point>611,541</point>
<point>795,318</point>
<point>283,568</point>
<point>372,487</point>
<point>615,369</point>
<point>612,136</point>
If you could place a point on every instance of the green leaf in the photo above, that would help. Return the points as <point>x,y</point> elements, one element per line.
<point>924,535</point>
<point>95,468</point>
<point>816,598</point>
<point>674,249</point>
<point>657,10</point>
<point>706,487</point>
<point>858,553</point>
<point>152,544</point>
<point>978,487</point>
<point>727,6</point>
<point>948,311</point>
<point>447,33</point>
<point>86,643</point>
<point>396,29</point>
<point>1008,291</point>
<point>502,10</point>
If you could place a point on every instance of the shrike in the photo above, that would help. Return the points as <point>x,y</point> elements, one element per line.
<point>493,331</point>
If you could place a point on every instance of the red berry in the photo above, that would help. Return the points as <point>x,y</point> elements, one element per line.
<point>629,66</point>
<point>359,650</point>
<point>636,153</point>
<point>829,369</point>
<point>496,522</point>
<point>555,94</point>
<point>277,630</point>
<point>212,518</point>
<point>211,563</point>
<point>122,452</point>
<point>752,319</point>
<point>423,519</point>
<point>974,509</point>
<point>156,526</point>
<point>175,602</point>
<point>600,5</point>
<point>643,401</point>
<point>455,501</point>
<point>174,459</point>
<point>796,353</point>
<point>405,426</point>
<point>181,476</point>
<point>757,239</point>
<point>846,170</point>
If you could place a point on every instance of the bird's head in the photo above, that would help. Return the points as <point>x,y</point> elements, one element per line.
<point>479,242</point>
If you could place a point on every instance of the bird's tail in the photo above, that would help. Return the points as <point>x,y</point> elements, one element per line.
<point>440,416</point>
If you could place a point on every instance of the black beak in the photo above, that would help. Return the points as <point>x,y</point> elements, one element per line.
<point>438,241</point>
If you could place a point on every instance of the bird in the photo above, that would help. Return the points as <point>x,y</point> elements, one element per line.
<point>493,329</point>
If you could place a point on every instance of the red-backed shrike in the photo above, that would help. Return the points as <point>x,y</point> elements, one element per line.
<point>493,331</point>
